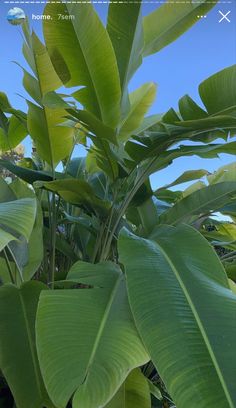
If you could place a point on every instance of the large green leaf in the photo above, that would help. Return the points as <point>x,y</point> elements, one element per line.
<point>18,216</point>
<point>5,238</point>
<point>4,102</point>
<point>53,142</point>
<point>193,187</point>
<point>18,357</point>
<point>194,124</point>
<point>218,95</point>
<point>202,201</point>
<point>125,29</point>
<point>224,173</point>
<point>189,110</point>
<point>134,392</point>
<point>6,193</point>
<point>86,339</point>
<point>17,219</point>
<point>11,237</point>
<point>185,312</point>
<point>34,253</point>
<point>140,102</point>
<point>168,22</point>
<point>12,128</point>
<point>225,82</point>
<point>13,134</point>
<point>82,54</point>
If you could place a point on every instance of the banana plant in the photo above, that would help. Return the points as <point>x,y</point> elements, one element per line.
<point>112,294</point>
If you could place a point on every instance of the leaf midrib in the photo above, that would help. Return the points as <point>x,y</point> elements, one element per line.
<point>198,321</point>
<point>87,67</point>
<point>43,107</point>
<point>134,106</point>
<point>31,345</point>
<point>102,325</point>
<point>127,70</point>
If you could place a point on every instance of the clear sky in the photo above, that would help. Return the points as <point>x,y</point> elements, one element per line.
<point>206,48</point>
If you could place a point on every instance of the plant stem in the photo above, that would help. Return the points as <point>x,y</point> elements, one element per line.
<point>16,264</point>
<point>108,229</point>
<point>228,256</point>
<point>126,203</point>
<point>53,226</point>
<point>8,265</point>
<point>97,244</point>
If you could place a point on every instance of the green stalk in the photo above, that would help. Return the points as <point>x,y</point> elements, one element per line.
<point>126,203</point>
<point>17,266</point>
<point>98,243</point>
<point>228,256</point>
<point>107,233</point>
<point>108,229</point>
<point>53,226</point>
<point>8,265</point>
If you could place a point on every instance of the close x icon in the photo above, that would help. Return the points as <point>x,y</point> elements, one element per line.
<point>224,17</point>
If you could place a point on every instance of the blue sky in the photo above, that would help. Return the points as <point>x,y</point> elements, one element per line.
<point>206,48</point>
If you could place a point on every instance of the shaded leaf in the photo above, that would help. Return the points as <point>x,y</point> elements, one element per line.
<point>18,357</point>
<point>28,175</point>
<point>77,192</point>
<point>134,392</point>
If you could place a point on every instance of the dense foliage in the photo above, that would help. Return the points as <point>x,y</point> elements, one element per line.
<point>114,295</point>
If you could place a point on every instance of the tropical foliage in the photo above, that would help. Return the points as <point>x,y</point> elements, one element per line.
<point>114,295</point>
